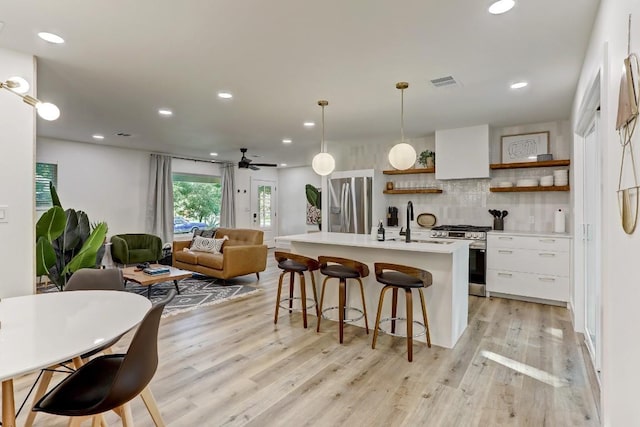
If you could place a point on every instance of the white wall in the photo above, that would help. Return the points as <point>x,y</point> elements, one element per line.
<point>292,203</point>
<point>620,286</point>
<point>243,179</point>
<point>17,171</point>
<point>108,183</point>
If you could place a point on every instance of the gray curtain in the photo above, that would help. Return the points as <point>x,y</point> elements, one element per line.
<point>160,198</point>
<point>228,203</point>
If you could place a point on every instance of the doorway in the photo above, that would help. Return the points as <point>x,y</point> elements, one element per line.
<point>264,202</point>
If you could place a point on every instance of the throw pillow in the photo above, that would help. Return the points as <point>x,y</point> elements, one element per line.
<point>204,244</point>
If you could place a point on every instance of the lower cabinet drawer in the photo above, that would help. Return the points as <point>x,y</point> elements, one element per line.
<point>528,285</point>
<point>529,261</point>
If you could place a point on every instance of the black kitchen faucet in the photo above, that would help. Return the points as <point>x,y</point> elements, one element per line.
<point>407,237</point>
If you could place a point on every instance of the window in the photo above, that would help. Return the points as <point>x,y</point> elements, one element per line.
<point>264,205</point>
<point>45,173</point>
<point>196,202</point>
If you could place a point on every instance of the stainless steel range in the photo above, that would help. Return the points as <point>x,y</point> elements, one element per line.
<point>477,252</point>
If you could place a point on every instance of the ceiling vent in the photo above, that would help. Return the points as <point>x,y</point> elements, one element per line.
<point>447,81</point>
<point>123,134</point>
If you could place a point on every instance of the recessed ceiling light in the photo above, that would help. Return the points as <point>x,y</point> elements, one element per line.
<point>225,95</point>
<point>51,38</point>
<point>22,84</point>
<point>165,112</point>
<point>286,141</point>
<point>96,136</point>
<point>501,6</point>
<point>283,164</point>
<point>309,124</point>
<point>519,85</point>
<point>213,154</point>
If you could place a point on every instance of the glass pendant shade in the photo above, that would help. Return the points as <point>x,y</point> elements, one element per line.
<point>402,156</point>
<point>323,164</point>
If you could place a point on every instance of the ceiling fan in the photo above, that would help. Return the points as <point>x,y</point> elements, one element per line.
<point>245,163</point>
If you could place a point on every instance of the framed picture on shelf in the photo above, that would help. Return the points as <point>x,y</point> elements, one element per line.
<point>524,147</point>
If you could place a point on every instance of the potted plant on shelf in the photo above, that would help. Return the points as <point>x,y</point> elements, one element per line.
<point>427,159</point>
<point>67,242</point>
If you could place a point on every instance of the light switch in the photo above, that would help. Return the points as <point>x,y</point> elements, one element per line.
<point>4,213</point>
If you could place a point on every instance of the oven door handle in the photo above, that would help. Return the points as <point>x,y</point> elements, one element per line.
<point>479,246</point>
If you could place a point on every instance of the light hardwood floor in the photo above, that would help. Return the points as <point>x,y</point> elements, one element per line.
<point>517,364</point>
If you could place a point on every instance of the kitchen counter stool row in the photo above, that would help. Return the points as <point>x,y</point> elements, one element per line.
<point>394,277</point>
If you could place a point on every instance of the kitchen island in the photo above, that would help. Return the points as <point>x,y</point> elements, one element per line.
<point>447,260</point>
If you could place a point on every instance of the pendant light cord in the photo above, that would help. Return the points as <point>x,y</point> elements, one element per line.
<point>322,145</point>
<point>402,115</point>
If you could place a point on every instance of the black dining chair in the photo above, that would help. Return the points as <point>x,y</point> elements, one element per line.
<point>85,279</point>
<point>109,382</point>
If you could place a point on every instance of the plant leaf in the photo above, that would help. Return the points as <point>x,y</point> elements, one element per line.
<point>54,195</point>
<point>313,196</point>
<point>51,224</point>
<point>86,257</point>
<point>45,256</point>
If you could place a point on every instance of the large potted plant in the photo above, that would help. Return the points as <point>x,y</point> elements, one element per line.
<point>67,242</point>
<point>314,197</point>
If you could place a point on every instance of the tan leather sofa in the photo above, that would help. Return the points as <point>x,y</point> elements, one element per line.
<point>242,254</point>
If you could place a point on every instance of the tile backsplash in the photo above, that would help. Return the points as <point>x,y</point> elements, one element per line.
<point>467,201</point>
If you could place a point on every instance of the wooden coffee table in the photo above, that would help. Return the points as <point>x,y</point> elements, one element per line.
<point>131,274</point>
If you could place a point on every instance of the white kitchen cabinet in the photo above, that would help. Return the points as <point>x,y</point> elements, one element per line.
<point>535,266</point>
<point>462,153</point>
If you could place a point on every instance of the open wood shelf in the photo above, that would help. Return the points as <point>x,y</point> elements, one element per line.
<point>409,171</point>
<point>414,191</point>
<point>523,189</point>
<point>545,164</point>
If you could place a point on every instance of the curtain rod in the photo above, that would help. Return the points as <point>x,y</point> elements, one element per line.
<point>222,162</point>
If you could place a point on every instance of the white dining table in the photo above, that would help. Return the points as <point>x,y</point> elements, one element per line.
<point>38,331</point>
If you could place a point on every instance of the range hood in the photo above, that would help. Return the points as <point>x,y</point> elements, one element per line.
<point>462,153</point>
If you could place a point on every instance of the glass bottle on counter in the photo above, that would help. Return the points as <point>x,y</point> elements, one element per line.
<point>381,232</point>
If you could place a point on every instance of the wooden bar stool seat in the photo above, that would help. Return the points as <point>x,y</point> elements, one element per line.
<point>395,277</point>
<point>293,264</point>
<point>343,269</point>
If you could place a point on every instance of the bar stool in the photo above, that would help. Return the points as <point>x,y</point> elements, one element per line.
<point>343,269</point>
<point>395,277</point>
<point>292,264</point>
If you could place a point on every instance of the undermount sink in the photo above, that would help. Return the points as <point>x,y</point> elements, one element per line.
<point>435,242</point>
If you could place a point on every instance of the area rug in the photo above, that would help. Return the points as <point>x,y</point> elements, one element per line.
<point>198,291</point>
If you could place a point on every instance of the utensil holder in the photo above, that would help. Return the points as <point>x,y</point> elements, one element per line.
<point>498,223</point>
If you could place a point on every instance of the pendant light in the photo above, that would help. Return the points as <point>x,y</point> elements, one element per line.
<point>402,155</point>
<point>323,163</point>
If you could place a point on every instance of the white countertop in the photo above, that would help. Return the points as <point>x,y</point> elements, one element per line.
<point>367,241</point>
<point>531,234</point>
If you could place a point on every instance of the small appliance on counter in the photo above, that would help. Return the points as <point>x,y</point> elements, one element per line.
<point>392,216</point>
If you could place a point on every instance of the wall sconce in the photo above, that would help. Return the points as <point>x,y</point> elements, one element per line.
<point>19,86</point>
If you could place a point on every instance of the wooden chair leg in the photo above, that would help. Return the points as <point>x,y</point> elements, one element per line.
<point>258,276</point>
<point>377,325</point>
<point>303,296</point>
<point>45,380</point>
<point>409,301</point>
<point>315,293</point>
<point>127,418</point>
<point>324,283</point>
<point>275,317</point>
<point>292,278</point>
<point>98,421</point>
<point>152,406</point>
<point>342,294</point>
<point>76,421</point>
<point>394,309</point>
<point>425,318</point>
<point>364,306</point>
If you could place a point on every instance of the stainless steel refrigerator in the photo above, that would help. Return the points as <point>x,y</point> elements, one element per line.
<point>350,201</point>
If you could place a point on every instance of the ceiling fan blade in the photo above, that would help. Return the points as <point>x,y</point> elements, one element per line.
<point>253,167</point>
<point>270,165</point>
